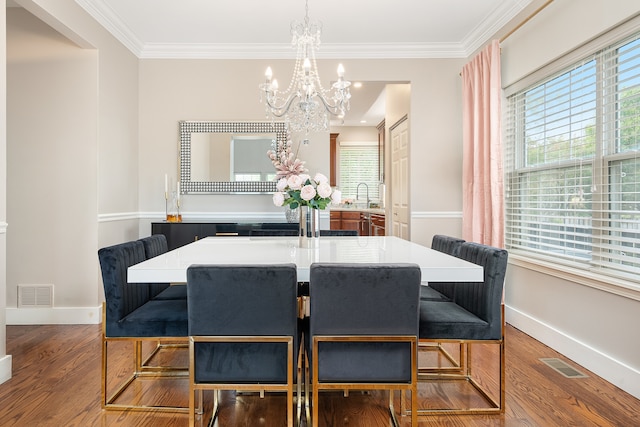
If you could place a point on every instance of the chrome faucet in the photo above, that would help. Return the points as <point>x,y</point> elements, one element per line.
<point>358,191</point>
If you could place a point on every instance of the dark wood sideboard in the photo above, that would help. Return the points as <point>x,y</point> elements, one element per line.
<point>181,233</point>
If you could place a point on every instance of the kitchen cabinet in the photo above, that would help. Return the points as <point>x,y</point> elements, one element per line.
<point>361,221</point>
<point>351,221</point>
<point>377,227</point>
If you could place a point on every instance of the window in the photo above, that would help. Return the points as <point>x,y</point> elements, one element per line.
<point>254,176</point>
<point>573,164</point>
<point>358,164</point>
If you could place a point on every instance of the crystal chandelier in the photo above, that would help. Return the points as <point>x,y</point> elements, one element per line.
<point>306,106</point>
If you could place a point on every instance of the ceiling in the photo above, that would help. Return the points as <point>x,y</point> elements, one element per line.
<point>261,29</point>
<point>254,29</point>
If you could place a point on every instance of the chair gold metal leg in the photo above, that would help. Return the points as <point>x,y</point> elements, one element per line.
<point>495,405</point>
<point>109,400</point>
<point>457,363</point>
<point>144,365</point>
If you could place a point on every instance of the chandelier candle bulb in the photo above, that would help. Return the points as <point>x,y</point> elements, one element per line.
<point>306,105</point>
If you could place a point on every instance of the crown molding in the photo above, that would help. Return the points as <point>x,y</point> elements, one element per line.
<point>478,36</point>
<point>106,17</point>
<point>500,17</point>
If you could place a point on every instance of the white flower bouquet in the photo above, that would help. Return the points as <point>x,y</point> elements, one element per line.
<point>302,190</point>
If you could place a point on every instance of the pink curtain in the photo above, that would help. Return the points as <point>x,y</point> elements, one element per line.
<point>482,175</point>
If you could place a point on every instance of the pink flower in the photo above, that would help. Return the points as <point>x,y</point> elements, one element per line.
<point>285,161</point>
<point>281,184</point>
<point>320,178</point>
<point>324,189</point>
<point>304,177</point>
<point>308,192</point>
<point>278,198</point>
<point>295,182</point>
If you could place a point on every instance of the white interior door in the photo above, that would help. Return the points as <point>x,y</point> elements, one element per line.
<point>399,136</point>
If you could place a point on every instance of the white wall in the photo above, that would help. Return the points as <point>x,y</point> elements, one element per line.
<point>212,90</point>
<point>72,111</point>
<point>5,360</point>
<point>593,327</point>
<point>219,90</point>
<point>52,102</point>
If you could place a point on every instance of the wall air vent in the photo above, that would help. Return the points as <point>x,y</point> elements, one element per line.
<point>34,296</point>
<point>563,368</point>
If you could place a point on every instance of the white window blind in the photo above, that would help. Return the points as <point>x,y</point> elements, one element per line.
<point>573,163</point>
<point>358,164</point>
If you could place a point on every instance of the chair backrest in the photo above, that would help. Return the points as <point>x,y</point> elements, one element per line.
<point>155,245</point>
<point>446,244</point>
<point>339,233</point>
<point>121,298</point>
<point>242,300</point>
<point>270,232</point>
<point>364,299</point>
<point>279,226</point>
<point>484,299</point>
<point>451,246</point>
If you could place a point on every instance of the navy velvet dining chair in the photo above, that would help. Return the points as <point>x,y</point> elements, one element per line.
<point>448,355</point>
<point>338,233</point>
<point>475,315</point>
<point>363,329</point>
<point>272,232</point>
<point>155,245</point>
<point>130,314</point>
<point>441,291</point>
<point>243,331</point>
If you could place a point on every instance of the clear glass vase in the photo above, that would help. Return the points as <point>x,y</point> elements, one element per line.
<point>172,207</point>
<point>292,215</point>
<point>309,230</point>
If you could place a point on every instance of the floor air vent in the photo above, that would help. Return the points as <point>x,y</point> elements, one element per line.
<point>33,296</point>
<point>563,368</point>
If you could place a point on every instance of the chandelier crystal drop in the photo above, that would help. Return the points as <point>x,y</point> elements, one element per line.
<point>306,105</point>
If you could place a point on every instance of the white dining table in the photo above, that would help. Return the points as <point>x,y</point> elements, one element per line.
<point>171,267</point>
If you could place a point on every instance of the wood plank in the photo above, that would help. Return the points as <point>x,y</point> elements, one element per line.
<point>56,382</point>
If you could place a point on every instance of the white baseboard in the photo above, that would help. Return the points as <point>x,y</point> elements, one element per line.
<point>5,368</point>
<point>54,316</point>
<point>617,373</point>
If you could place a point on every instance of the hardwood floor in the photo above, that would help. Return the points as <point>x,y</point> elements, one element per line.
<point>56,382</point>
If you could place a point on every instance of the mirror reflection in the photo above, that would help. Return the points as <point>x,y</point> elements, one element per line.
<point>228,157</point>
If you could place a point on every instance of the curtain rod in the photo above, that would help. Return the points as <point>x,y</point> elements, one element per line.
<point>527,19</point>
<point>524,21</point>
